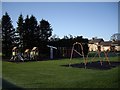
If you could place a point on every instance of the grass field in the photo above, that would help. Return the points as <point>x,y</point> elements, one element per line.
<point>50,74</point>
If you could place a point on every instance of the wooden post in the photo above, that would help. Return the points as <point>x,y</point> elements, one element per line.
<point>85,61</point>
<point>71,55</point>
<point>106,56</point>
<point>100,57</point>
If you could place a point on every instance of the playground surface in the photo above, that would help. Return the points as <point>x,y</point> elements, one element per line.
<point>96,65</point>
<point>53,74</point>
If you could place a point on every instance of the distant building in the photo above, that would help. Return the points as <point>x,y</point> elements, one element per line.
<point>106,45</point>
<point>93,43</point>
<point>110,45</point>
<point>116,45</point>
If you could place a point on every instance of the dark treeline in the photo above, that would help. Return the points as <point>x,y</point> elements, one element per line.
<point>30,33</point>
<point>65,45</point>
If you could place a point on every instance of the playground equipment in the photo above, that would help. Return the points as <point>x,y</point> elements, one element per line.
<point>27,54</point>
<point>98,52</point>
<point>34,54</point>
<point>81,54</point>
<point>51,50</point>
<point>16,55</point>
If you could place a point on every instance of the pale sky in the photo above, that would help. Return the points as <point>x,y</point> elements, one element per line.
<point>87,19</point>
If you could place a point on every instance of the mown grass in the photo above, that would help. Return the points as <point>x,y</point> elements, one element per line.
<point>50,74</point>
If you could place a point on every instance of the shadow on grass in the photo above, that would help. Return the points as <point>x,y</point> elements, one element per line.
<point>95,65</point>
<point>9,86</point>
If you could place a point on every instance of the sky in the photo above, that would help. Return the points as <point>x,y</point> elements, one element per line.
<point>87,19</point>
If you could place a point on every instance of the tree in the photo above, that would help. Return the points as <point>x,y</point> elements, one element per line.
<point>65,37</point>
<point>0,29</point>
<point>54,38</point>
<point>25,32</point>
<point>0,23</point>
<point>33,32</point>
<point>115,37</point>
<point>45,30</point>
<point>70,36</point>
<point>28,32</point>
<point>20,31</point>
<point>8,35</point>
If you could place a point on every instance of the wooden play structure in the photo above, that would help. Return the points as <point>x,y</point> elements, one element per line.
<point>34,53</point>
<point>28,54</point>
<point>16,55</point>
<point>81,54</point>
<point>98,52</point>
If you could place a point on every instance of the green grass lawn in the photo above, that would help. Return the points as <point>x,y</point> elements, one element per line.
<point>50,74</point>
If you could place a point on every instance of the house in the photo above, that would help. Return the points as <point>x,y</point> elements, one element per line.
<point>93,43</point>
<point>110,45</point>
<point>106,45</point>
<point>116,45</point>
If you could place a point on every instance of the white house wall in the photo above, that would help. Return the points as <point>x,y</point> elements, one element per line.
<point>105,48</point>
<point>92,47</point>
<point>117,48</point>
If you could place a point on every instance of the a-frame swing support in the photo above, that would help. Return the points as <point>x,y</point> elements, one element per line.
<point>105,54</point>
<point>85,59</point>
<point>77,43</point>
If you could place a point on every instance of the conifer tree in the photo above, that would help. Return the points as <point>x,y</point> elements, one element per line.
<point>8,35</point>
<point>33,41</point>
<point>20,30</point>
<point>45,30</point>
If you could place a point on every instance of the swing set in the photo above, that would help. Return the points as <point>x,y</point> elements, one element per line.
<point>81,54</point>
<point>98,52</point>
